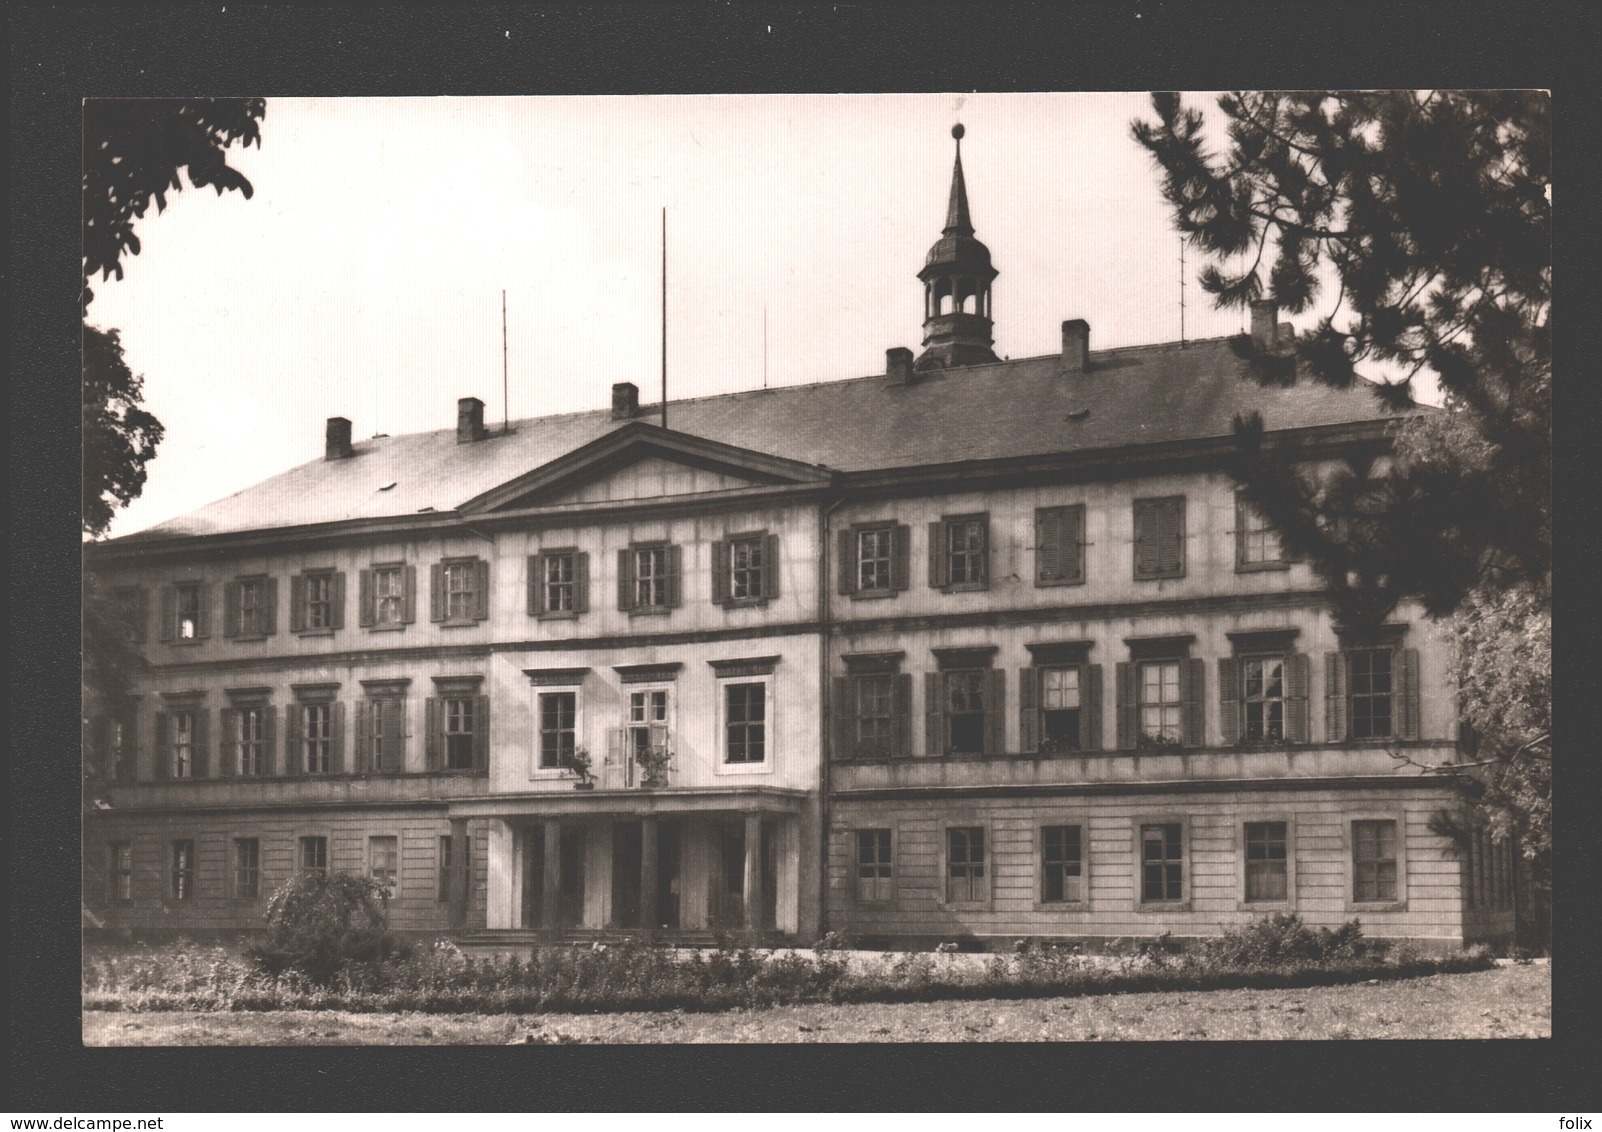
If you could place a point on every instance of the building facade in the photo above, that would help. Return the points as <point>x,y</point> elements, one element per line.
<point>972,649</point>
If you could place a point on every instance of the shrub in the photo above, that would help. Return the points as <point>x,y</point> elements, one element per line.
<point>323,926</point>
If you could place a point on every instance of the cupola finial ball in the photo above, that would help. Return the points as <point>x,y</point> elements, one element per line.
<point>957,131</point>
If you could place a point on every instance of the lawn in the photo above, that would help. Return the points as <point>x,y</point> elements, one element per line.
<point>1509,1002</point>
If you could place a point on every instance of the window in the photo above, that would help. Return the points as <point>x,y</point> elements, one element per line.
<point>558,728</point>
<point>1263,697</point>
<point>745,569</point>
<point>383,860</point>
<point>388,597</point>
<point>188,622</point>
<point>457,725</point>
<point>1267,866</point>
<point>965,712</point>
<point>875,883</point>
<point>118,745</point>
<point>317,601</point>
<point>460,591</point>
<point>1160,701</point>
<point>1369,676</point>
<point>183,870</point>
<point>1160,537</point>
<point>316,738</point>
<point>875,714</point>
<point>648,578</point>
<point>181,756</point>
<point>1061,865</point>
<point>559,583</point>
<point>1257,545</point>
<point>964,701</point>
<point>871,707</point>
<point>959,552</point>
<point>745,723</point>
<point>873,559</point>
<point>965,864</point>
<point>1373,861</point>
<point>121,871</point>
<point>250,607</point>
<point>461,731</point>
<point>647,726</point>
<point>444,867</point>
<point>314,855</point>
<point>381,729</point>
<point>1161,863</point>
<point>247,868</point>
<point>1060,545</point>
<point>1059,709</point>
<point>250,737</point>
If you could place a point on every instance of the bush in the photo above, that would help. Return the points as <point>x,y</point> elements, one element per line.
<point>322,926</point>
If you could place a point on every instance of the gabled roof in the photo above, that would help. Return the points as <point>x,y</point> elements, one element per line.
<point>1028,407</point>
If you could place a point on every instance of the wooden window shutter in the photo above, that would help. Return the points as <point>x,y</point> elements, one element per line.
<point>625,579</point>
<point>393,752</point>
<point>675,568</point>
<point>1171,537</point>
<point>535,602</point>
<point>1127,676</point>
<point>202,764</point>
<point>901,717</point>
<point>203,613</point>
<point>433,733</point>
<point>1076,536</point>
<point>436,592</point>
<point>900,557</point>
<point>581,581</point>
<point>481,583</point>
<point>294,739</point>
<point>269,740</point>
<point>1240,532</point>
<point>984,549</point>
<point>934,711</point>
<point>770,566</point>
<point>720,572</point>
<point>1048,546</point>
<point>845,717</point>
<point>139,615</point>
<point>297,603</point>
<point>939,564</point>
<point>228,745</point>
<point>271,614</point>
<point>996,711</point>
<point>230,609</point>
<point>481,733</point>
<point>1407,699</point>
<point>163,748</point>
<point>1334,697</point>
<point>1296,682</point>
<point>364,599</point>
<point>1090,707</point>
<point>336,600</point>
<point>1229,710</point>
<point>846,579</point>
<point>169,613</point>
<point>364,735</point>
<point>1028,710</point>
<point>336,738</point>
<point>1193,704</point>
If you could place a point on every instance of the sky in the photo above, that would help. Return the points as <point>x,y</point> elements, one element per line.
<point>364,277</point>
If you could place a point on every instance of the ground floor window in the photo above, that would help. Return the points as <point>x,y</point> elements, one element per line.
<point>447,855</point>
<point>183,870</point>
<point>121,871</point>
<point>874,878</point>
<point>314,855</point>
<point>383,860</point>
<point>1267,866</point>
<point>247,868</point>
<point>1162,871</point>
<point>1373,860</point>
<point>965,864</point>
<point>1061,864</point>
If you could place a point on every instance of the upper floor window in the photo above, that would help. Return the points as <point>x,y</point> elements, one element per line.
<point>1160,537</point>
<point>1060,545</point>
<point>131,605</point>
<point>1060,705</point>
<point>1257,545</point>
<point>873,559</point>
<point>458,725</point>
<point>316,731</point>
<point>648,716</point>
<point>648,578</point>
<point>1263,698</point>
<point>1159,700</point>
<point>250,607</point>
<point>317,601</point>
<point>959,552</point>
<point>558,722</point>
<point>1372,692</point>
<point>460,591</point>
<point>745,569</point>
<point>964,702</point>
<point>116,736</point>
<point>1370,676</point>
<point>181,741</point>
<point>1160,694</point>
<point>871,706</point>
<point>559,583</point>
<point>185,612</point>
<point>388,598</point>
<point>381,728</point>
<point>745,722</point>
<point>247,738</point>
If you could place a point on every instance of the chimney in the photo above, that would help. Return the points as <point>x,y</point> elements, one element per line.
<point>469,420</point>
<point>1265,324</point>
<point>1075,345</point>
<point>898,366</point>
<point>336,443</point>
<point>625,401</point>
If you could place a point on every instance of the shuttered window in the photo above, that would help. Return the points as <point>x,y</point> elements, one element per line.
<point>250,608</point>
<point>317,601</point>
<point>1160,537</point>
<point>381,735</point>
<point>388,598</point>
<point>1369,678</point>
<point>249,738</point>
<point>745,569</point>
<point>1060,545</point>
<point>189,612</point>
<point>959,552</point>
<point>457,726</point>
<point>648,578</point>
<point>1263,699</point>
<point>873,559</point>
<point>559,583</point>
<point>1257,545</point>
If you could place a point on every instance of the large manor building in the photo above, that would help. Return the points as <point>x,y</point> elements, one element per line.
<point>972,649</point>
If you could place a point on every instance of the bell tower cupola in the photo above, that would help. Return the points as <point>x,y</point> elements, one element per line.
<point>956,286</point>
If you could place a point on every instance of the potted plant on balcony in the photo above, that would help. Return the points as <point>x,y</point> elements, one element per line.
<point>654,759</point>
<point>580,763</point>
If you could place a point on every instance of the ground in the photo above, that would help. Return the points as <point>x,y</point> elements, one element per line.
<point>1509,1002</point>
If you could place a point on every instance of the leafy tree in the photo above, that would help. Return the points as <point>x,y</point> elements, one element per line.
<point>1427,216</point>
<point>322,925</point>
<point>119,435</point>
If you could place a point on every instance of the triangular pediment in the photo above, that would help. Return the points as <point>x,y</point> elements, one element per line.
<point>641,461</point>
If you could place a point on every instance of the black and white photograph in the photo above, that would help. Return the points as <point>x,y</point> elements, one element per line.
<point>827,568</point>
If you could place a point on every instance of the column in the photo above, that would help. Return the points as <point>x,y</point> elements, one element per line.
<point>461,873</point>
<point>650,916</point>
<point>550,897</point>
<point>753,871</point>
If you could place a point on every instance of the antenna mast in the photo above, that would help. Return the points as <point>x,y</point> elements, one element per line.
<point>664,316</point>
<point>764,345</point>
<point>1181,292</point>
<point>506,410</point>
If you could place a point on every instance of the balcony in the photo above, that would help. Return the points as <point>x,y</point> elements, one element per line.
<point>637,758</point>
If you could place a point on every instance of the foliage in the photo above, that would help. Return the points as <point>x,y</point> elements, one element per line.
<point>322,925</point>
<point>1429,214</point>
<point>119,435</point>
<point>580,763</point>
<point>655,760</point>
